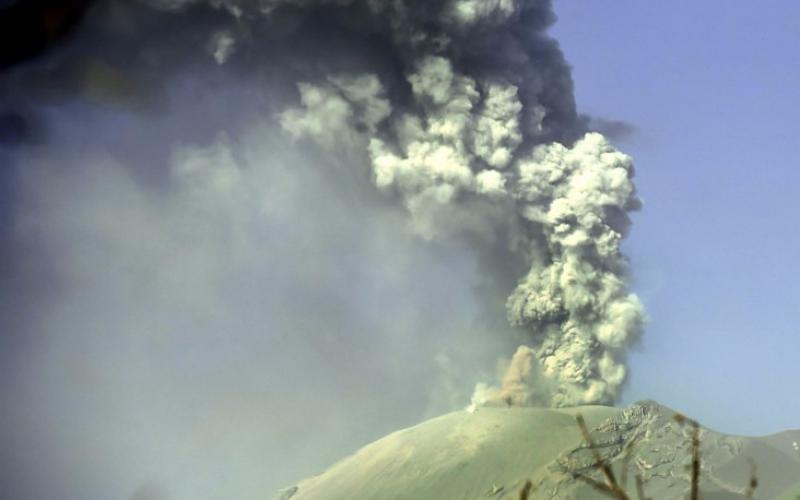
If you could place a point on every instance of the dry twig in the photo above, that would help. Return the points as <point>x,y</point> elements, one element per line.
<point>525,491</point>
<point>626,461</point>
<point>695,485</point>
<point>751,488</point>
<point>611,487</point>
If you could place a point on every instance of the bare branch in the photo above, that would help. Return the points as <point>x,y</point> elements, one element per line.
<point>695,485</point>
<point>594,483</point>
<point>526,490</point>
<point>751,489</point>
<point>611,480</point>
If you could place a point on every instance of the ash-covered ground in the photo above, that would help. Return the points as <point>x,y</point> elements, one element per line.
<point>491,452</point>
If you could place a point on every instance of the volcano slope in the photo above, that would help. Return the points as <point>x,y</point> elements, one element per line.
<point>491,452</point>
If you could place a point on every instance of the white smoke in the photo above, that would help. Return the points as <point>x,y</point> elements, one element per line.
<point>222,46</point>
<point>569,203</point>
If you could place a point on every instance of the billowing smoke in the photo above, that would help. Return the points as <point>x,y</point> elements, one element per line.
<point>521,385</point>
<point>576,297</point>
<point>476,129</point>
<point>237,228</point>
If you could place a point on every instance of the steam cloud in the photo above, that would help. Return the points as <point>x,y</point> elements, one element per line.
<point>453,117</point>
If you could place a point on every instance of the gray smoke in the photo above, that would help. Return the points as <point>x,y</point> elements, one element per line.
<point>233,210</point>
<point>478,133</point>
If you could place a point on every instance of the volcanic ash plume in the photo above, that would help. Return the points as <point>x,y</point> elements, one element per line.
<point>575,299</point>
<point>482,113</point>
<point>463,111</point>
<point>222,214</point>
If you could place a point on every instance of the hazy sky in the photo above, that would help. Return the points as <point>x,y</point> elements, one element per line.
<point>712,89</point>
<point>193,302</point>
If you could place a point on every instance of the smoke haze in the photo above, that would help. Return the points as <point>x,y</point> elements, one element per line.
<point>251,236</point>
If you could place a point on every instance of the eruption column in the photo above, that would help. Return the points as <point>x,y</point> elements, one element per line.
<point>484,116</point>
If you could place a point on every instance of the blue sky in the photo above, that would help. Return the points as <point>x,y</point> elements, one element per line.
<point>712,89</point>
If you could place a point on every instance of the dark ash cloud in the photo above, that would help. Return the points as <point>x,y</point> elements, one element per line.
<point>618,130</point>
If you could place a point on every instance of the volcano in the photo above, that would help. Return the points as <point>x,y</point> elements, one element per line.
<point>491,452</point>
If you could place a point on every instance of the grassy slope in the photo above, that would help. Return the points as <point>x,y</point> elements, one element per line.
<point>456,456</point>
<point>468,455</point>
